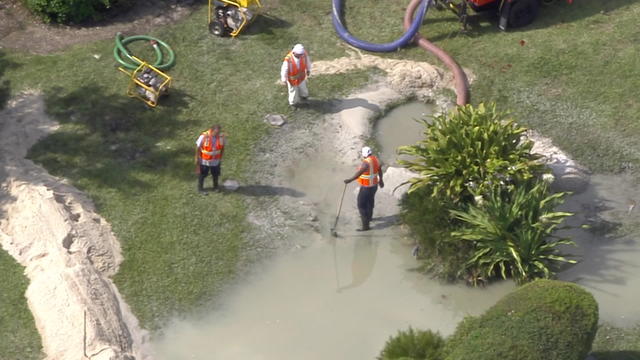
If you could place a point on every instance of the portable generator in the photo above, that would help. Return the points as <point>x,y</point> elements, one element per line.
<point>229,17</point>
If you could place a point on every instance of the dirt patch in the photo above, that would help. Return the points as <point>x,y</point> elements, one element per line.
<point>338,127</point>
<point>20,30</point>
<point>68,250</point>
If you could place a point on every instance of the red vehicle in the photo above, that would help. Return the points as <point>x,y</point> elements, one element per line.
<point>512,13</point>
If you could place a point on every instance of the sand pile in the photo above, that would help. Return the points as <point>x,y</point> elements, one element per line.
<point>68,250</point>
<point>410,78</point>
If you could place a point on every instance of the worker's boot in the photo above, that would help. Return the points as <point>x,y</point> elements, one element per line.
<point>201,186</point>
<point>215,183</point>
<point>365,224</point>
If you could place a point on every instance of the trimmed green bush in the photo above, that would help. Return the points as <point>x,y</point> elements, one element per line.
<point>543,320</point>
<point>71,11</point>
<point>414,345</point>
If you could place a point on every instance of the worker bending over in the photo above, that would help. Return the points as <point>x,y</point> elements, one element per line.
<point>294,71</point>
<point>369,176</point>
<point>209,150</point>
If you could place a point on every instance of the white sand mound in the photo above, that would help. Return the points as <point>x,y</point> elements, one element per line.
<point>411,78</point>
<point>68,250</point>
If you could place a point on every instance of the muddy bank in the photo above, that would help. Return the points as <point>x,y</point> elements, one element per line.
<point>335,129</point>
<point>68,250</point>
<point>322,297</point>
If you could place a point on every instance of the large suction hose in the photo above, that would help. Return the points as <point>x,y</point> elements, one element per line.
<point>132,64</point>
<point>462,85</point>
<point>411,26</point>
<point>410,31</point>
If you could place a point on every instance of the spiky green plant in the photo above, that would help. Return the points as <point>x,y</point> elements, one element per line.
<point>468,150</point>
<point>512,232</point>
<point>414,345</point>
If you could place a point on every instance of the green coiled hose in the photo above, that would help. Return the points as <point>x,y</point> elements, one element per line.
<point>132,63</point>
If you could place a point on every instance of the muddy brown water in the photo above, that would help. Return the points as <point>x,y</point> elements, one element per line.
<point>341,298</point>
<point>400,127</point>
<point>608,252</point>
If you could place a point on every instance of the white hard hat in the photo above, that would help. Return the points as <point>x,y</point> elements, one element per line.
<point>366,151</point>
<point>298,49</point>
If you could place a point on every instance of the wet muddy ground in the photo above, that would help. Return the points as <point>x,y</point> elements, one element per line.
<point>608,251</point>
<point>332,298</point>
<point>338,298</point>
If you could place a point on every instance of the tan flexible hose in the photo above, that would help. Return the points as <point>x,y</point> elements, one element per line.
<point>461,83</point>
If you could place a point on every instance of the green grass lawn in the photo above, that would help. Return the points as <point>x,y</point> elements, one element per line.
<point>19,338</point>
<point>137,163</point>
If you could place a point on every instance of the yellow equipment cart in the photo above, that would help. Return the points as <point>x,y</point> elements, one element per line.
<point>147,83</point>
<point>229,17</point>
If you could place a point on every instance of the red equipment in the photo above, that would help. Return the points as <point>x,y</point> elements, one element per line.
<point>512,13</point>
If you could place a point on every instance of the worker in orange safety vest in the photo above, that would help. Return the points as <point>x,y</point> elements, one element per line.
<point>295,69</point>
<point>209,149</point>
<point>369,176</point>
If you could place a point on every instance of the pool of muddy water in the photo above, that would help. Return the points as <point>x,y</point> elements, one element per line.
<point>608,252</point>
<point>341,298</point>
<point>400,127</point>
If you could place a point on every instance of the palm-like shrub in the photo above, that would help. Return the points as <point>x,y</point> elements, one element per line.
<point>414,345</point>
<point>512,233</point>
<point>468,151</point>
<point>429,218</point>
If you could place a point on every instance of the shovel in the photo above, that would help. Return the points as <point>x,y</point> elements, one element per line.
<point>334,233</point>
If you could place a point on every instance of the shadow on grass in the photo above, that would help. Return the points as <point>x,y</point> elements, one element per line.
<point>267,190</point>
<point>264,24</point>
<point>560,12</point>
<point>617,355</point>
<point>109,140</point>
<point>5,85</point>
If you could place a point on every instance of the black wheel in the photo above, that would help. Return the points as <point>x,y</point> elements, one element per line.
<point>216,28</point>
<point>523,12</point>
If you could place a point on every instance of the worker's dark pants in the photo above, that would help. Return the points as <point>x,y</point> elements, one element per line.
<point>366,201</point>
<point>204,171</point>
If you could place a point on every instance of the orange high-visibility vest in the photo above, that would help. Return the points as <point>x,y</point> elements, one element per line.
<point>210,150</point>
<point>370,177</point>
<point>296,74</point>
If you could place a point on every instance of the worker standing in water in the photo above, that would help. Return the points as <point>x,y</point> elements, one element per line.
<point>295,69</point>
<point>209,150</point>
<point>369,176</point>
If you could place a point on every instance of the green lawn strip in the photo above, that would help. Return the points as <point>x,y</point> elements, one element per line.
<point>19,338</point>
<point>571,79</point>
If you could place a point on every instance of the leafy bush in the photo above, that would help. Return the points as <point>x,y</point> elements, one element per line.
<point>512,231</point>
<point>414,345</point>
<point>479,207</point>
<point>468,151</point>
<point>543,320</point>
<point>431,223</point>
<point>71,11</point>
